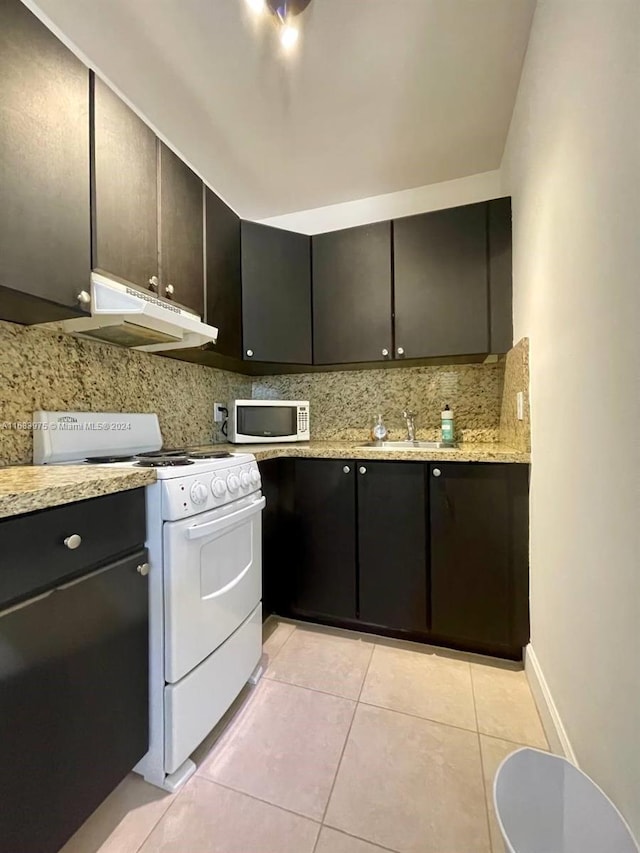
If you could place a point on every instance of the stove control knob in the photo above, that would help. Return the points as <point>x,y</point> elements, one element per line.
<point>233,483</point>
<point>218,487</point>
<point>245,479</point>
<point>199,493</point>
<point>255,476</point>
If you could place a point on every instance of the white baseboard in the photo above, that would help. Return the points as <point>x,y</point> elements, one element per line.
<point>552,723</point>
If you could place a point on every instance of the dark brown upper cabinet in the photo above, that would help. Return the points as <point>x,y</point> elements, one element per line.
<point>224,274</point>
<point>276,294</point>
<point>351,273</point>
<point>500,275</point>
<point>181,232</point>
<point>441,283</point>
<point>124,191</point>
<point>45,240</point>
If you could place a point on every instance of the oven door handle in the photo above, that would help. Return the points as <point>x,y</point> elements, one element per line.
<point>197,531</point>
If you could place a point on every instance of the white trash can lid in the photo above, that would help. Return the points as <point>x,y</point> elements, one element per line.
<point>545,804</point>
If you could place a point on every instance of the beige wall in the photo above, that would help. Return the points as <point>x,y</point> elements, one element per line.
<point>572,165</point>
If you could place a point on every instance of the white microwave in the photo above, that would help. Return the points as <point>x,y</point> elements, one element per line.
<point>262,421</point>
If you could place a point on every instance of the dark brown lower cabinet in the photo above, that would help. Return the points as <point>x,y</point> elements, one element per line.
<point>479,554</point>
<point>437,552</point>
<point>74,664</point>
<point>320,529</point>
<point>74,705</point>
<point>392,545</point>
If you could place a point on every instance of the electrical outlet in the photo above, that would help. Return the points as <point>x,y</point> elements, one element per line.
<point>219,410</point>
<point>520,405</point>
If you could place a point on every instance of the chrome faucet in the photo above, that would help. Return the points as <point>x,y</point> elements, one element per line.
<point>411,427</point>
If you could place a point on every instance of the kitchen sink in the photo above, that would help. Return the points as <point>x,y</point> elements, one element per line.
<point>409,445</point>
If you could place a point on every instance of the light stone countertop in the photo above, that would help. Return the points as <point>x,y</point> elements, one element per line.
<point>466,452</point>
<point>30,487</point>
<point>27,488</point>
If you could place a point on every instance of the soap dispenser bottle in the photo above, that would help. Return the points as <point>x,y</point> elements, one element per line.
<point>448,431</point>
<point>379,430</point>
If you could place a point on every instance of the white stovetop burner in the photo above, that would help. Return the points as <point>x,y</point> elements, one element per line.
<point>73,438</point>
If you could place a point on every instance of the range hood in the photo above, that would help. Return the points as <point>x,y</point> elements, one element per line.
<point>123,314</point>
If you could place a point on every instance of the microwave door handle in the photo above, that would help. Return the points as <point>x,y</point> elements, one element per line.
<point>197,531</point>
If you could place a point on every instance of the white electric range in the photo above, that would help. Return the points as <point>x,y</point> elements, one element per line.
<point>204,528</point>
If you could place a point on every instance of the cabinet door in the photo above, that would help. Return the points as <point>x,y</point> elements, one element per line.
<point>441,292</point>
<point>45,240</point>
<point>181,232</point>
<point>500,275</point>
<point>322,532</point>
<point>479,568</point>
<point>224,282</point>
<point>276,294</point>
<point>74,703</point>
<point>125,198</point>
<point>392,544</point>
<point>351,276</point>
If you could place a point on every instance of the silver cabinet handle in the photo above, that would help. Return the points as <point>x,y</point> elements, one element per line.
<point>346,469</point>
<point>169,291</point>
<point>84,298</point>
<point>400,351</point>
<point>385,352</point>
<point>153,283</point>
<point>72,542</point>
<point>249,352</point>
<point>143,569</point>
<point>437,472</point>
<point>362,469</point>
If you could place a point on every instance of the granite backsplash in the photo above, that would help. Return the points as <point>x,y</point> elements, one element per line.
<point>513,431</point>
<point>343,404</point>
<point>41,369</point>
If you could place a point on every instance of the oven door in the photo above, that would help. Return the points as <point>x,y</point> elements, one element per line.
<point>212,580</point>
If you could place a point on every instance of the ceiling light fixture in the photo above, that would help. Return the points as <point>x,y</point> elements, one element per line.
<point>288,35</point>
<point>284,11</point>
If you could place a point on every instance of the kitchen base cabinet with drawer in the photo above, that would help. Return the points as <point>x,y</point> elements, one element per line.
<point>74,709</point>
<point>436,553</point>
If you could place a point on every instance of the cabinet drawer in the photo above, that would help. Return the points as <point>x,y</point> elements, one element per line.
<point>33,553</point>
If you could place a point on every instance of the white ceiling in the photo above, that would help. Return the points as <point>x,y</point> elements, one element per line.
<point>378,96</point>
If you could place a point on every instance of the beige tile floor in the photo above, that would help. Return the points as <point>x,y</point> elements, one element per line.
<point>349,744</point>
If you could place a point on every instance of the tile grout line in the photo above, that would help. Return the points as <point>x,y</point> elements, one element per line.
<point>272,658</point>
<point>359,838</point>
<point>260,800</point>
<point>418,717</point>
<point>313,689</point>
<point>161,818</point>
<point>484,783</point>
<point>398,711</point>
<point>344,746</point>
<point>288,811</point>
